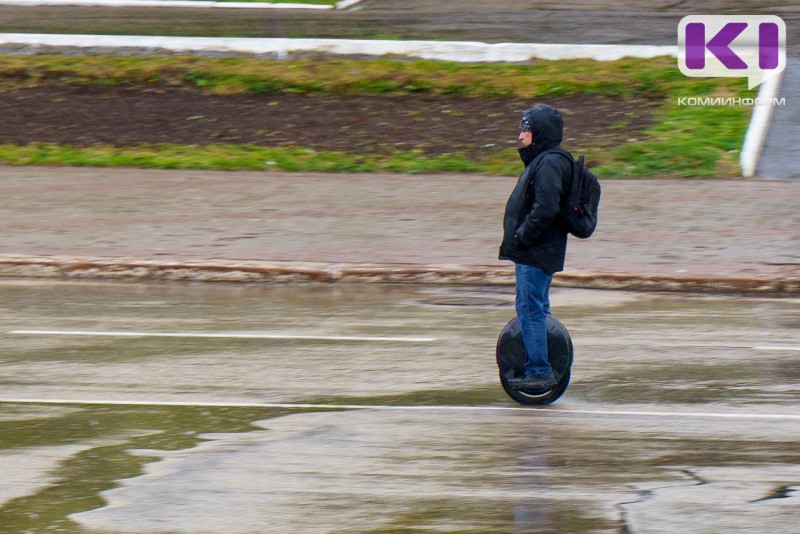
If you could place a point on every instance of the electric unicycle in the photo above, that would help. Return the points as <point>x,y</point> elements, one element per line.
<point>511,357</point>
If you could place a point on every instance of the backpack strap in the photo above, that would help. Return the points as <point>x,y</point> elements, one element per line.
<point>561,151</point>
<point>566,194</point>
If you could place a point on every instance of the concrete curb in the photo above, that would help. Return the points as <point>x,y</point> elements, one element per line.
<point>293,272</point>
<point>460,51</point>
<point>758,128</point>
<point>195,4</point>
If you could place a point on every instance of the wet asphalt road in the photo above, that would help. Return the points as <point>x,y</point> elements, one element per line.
<point>665,428</point>
<point>682,415</point>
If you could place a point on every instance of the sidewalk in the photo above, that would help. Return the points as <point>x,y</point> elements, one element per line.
<point>714,236</point>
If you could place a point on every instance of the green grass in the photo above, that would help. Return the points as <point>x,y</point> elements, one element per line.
<point>684,141</point>
<point>620,79</point>
<point>239,157</point>
<point>691,142</point>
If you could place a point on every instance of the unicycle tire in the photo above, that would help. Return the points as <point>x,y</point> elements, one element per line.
<point>511,357</point>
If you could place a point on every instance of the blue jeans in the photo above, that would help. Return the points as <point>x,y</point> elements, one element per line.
<point>533,307</point>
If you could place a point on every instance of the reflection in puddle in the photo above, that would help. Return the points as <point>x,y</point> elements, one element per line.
<point>351,471</point>
<point>367,470</point>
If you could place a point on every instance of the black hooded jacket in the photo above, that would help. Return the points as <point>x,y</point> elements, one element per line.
<point>532,232</point>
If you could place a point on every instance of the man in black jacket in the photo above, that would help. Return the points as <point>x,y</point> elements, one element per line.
<point>533,237</point>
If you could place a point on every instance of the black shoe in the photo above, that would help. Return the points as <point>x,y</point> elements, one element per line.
<point>533,382</point>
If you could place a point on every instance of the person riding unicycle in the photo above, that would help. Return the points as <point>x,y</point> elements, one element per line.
<point>533,237</point>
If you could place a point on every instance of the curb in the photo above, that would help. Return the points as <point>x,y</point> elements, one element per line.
<point>758,128</point>
<point>251,271</point>
<point>71,268</point>
<point>282,47</point>
<point>343,4</point>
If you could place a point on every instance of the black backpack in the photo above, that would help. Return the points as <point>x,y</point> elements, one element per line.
<point>579,208</point>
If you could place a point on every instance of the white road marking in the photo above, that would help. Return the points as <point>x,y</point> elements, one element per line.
<point>224,335</point>
<point>395,339</point>
<point>383,407</point>
<point>778,347</point>
<point>590,342</point>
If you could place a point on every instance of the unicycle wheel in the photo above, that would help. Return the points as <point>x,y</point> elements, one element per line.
<point>511,357</point>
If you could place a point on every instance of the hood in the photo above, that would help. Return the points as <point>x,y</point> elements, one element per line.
<point>547,124</point>
<point>547,127</point>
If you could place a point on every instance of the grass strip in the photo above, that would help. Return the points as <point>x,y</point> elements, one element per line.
<point>246,157</point>
<point>620,79</point>
<point>685,141</point>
